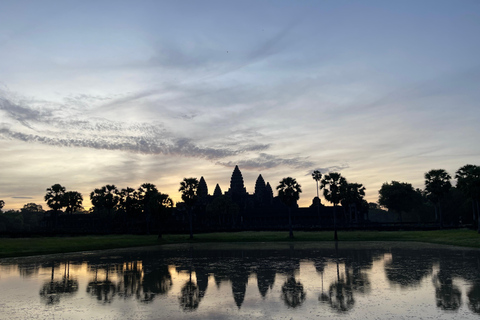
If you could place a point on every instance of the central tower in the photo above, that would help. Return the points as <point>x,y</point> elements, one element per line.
<point>237,186</point>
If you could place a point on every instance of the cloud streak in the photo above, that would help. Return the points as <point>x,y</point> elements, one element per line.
<point>267,161</point>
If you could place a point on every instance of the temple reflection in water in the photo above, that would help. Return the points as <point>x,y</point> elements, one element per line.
<point>342,279</point>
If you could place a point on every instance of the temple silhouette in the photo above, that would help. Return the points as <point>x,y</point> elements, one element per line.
<point>236,209</point>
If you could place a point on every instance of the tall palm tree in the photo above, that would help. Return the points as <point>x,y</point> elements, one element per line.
<point>317,176</point>
<point>289,192</point>
<point>55,199</point>
<point>332,191</point>
<point>73,201</point>
<point>437,185</point>
<point>189,190</point>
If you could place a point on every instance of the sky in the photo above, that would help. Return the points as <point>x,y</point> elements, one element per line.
<point>128,92</point>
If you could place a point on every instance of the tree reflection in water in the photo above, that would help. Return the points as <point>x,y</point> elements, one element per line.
<point>52,290</point>
<point>189,296</point>
<point>293,293</point>
<point>474,298</point>
<point>408,270</point>
<point>130,285</point>
<point>159,281</point>
<point>103,290</point>
<point>340,295</point>
<point>145,277</point>
<point>320,268</point>
<point>447,295</point>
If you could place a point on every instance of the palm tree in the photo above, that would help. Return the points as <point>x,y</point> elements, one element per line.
<point>332,191</point>
<point>73,201</point>
<point>189,188</point>
<point>106,197</point>
<point>317,176</point>
<point>55,199</point>
<point>468,180</point>
<point>289,192</point>
<point>437,185</point>
<point>129,204</point>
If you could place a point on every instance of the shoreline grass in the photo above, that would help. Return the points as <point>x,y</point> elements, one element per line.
<point>16,247</point>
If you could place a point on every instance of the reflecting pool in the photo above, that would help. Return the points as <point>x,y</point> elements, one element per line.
<point>381,280</point>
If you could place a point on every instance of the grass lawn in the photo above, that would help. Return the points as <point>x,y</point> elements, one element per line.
<point>12,247</point>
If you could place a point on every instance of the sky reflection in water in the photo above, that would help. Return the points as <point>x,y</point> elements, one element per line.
<point>220,281</point>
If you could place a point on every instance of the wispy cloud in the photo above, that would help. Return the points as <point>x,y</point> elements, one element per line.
<point>268,161</point>
<point>326,170</point>
<point>34,126</point>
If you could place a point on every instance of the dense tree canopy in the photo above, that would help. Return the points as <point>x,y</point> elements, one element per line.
<point>399,197</point>
<point>73,201</point>
<point>468,180</point>
<point>437,185</point>
<point>106,197</point>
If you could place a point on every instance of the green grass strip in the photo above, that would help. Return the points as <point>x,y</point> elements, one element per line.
<point>14,247</point>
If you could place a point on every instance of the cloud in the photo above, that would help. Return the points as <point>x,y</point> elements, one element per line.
<point>329,169</point>
<point>267,161</point>
<point>141,144</point>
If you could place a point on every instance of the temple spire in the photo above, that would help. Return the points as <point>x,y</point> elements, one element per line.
<point>218,191</point>
<point>236,183</point>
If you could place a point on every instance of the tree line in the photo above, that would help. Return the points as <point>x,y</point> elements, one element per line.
<point>146,207</point>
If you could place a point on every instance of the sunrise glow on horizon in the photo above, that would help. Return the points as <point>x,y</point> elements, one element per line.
<point>124,93</point>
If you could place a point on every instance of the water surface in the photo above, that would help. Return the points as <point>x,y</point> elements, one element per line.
<point>383,280</point>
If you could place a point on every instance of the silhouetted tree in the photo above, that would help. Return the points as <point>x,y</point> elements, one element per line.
<point>55,197</point>
<point>32,207</point>
<point>352,195</point>
<point>468,180</point>
<point>32,214</point>
<point>105,197</point>
<point>146,195</point>
<point>189,188</point>
<point>317,176</point>
<point>2,204</point>
<point>55,200</point>
<point>437,185</point>
<point>129,204</point>
<point>399,197</point>
<point>289,192</point>
<point>73,201</point>
<point>332,191</point>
